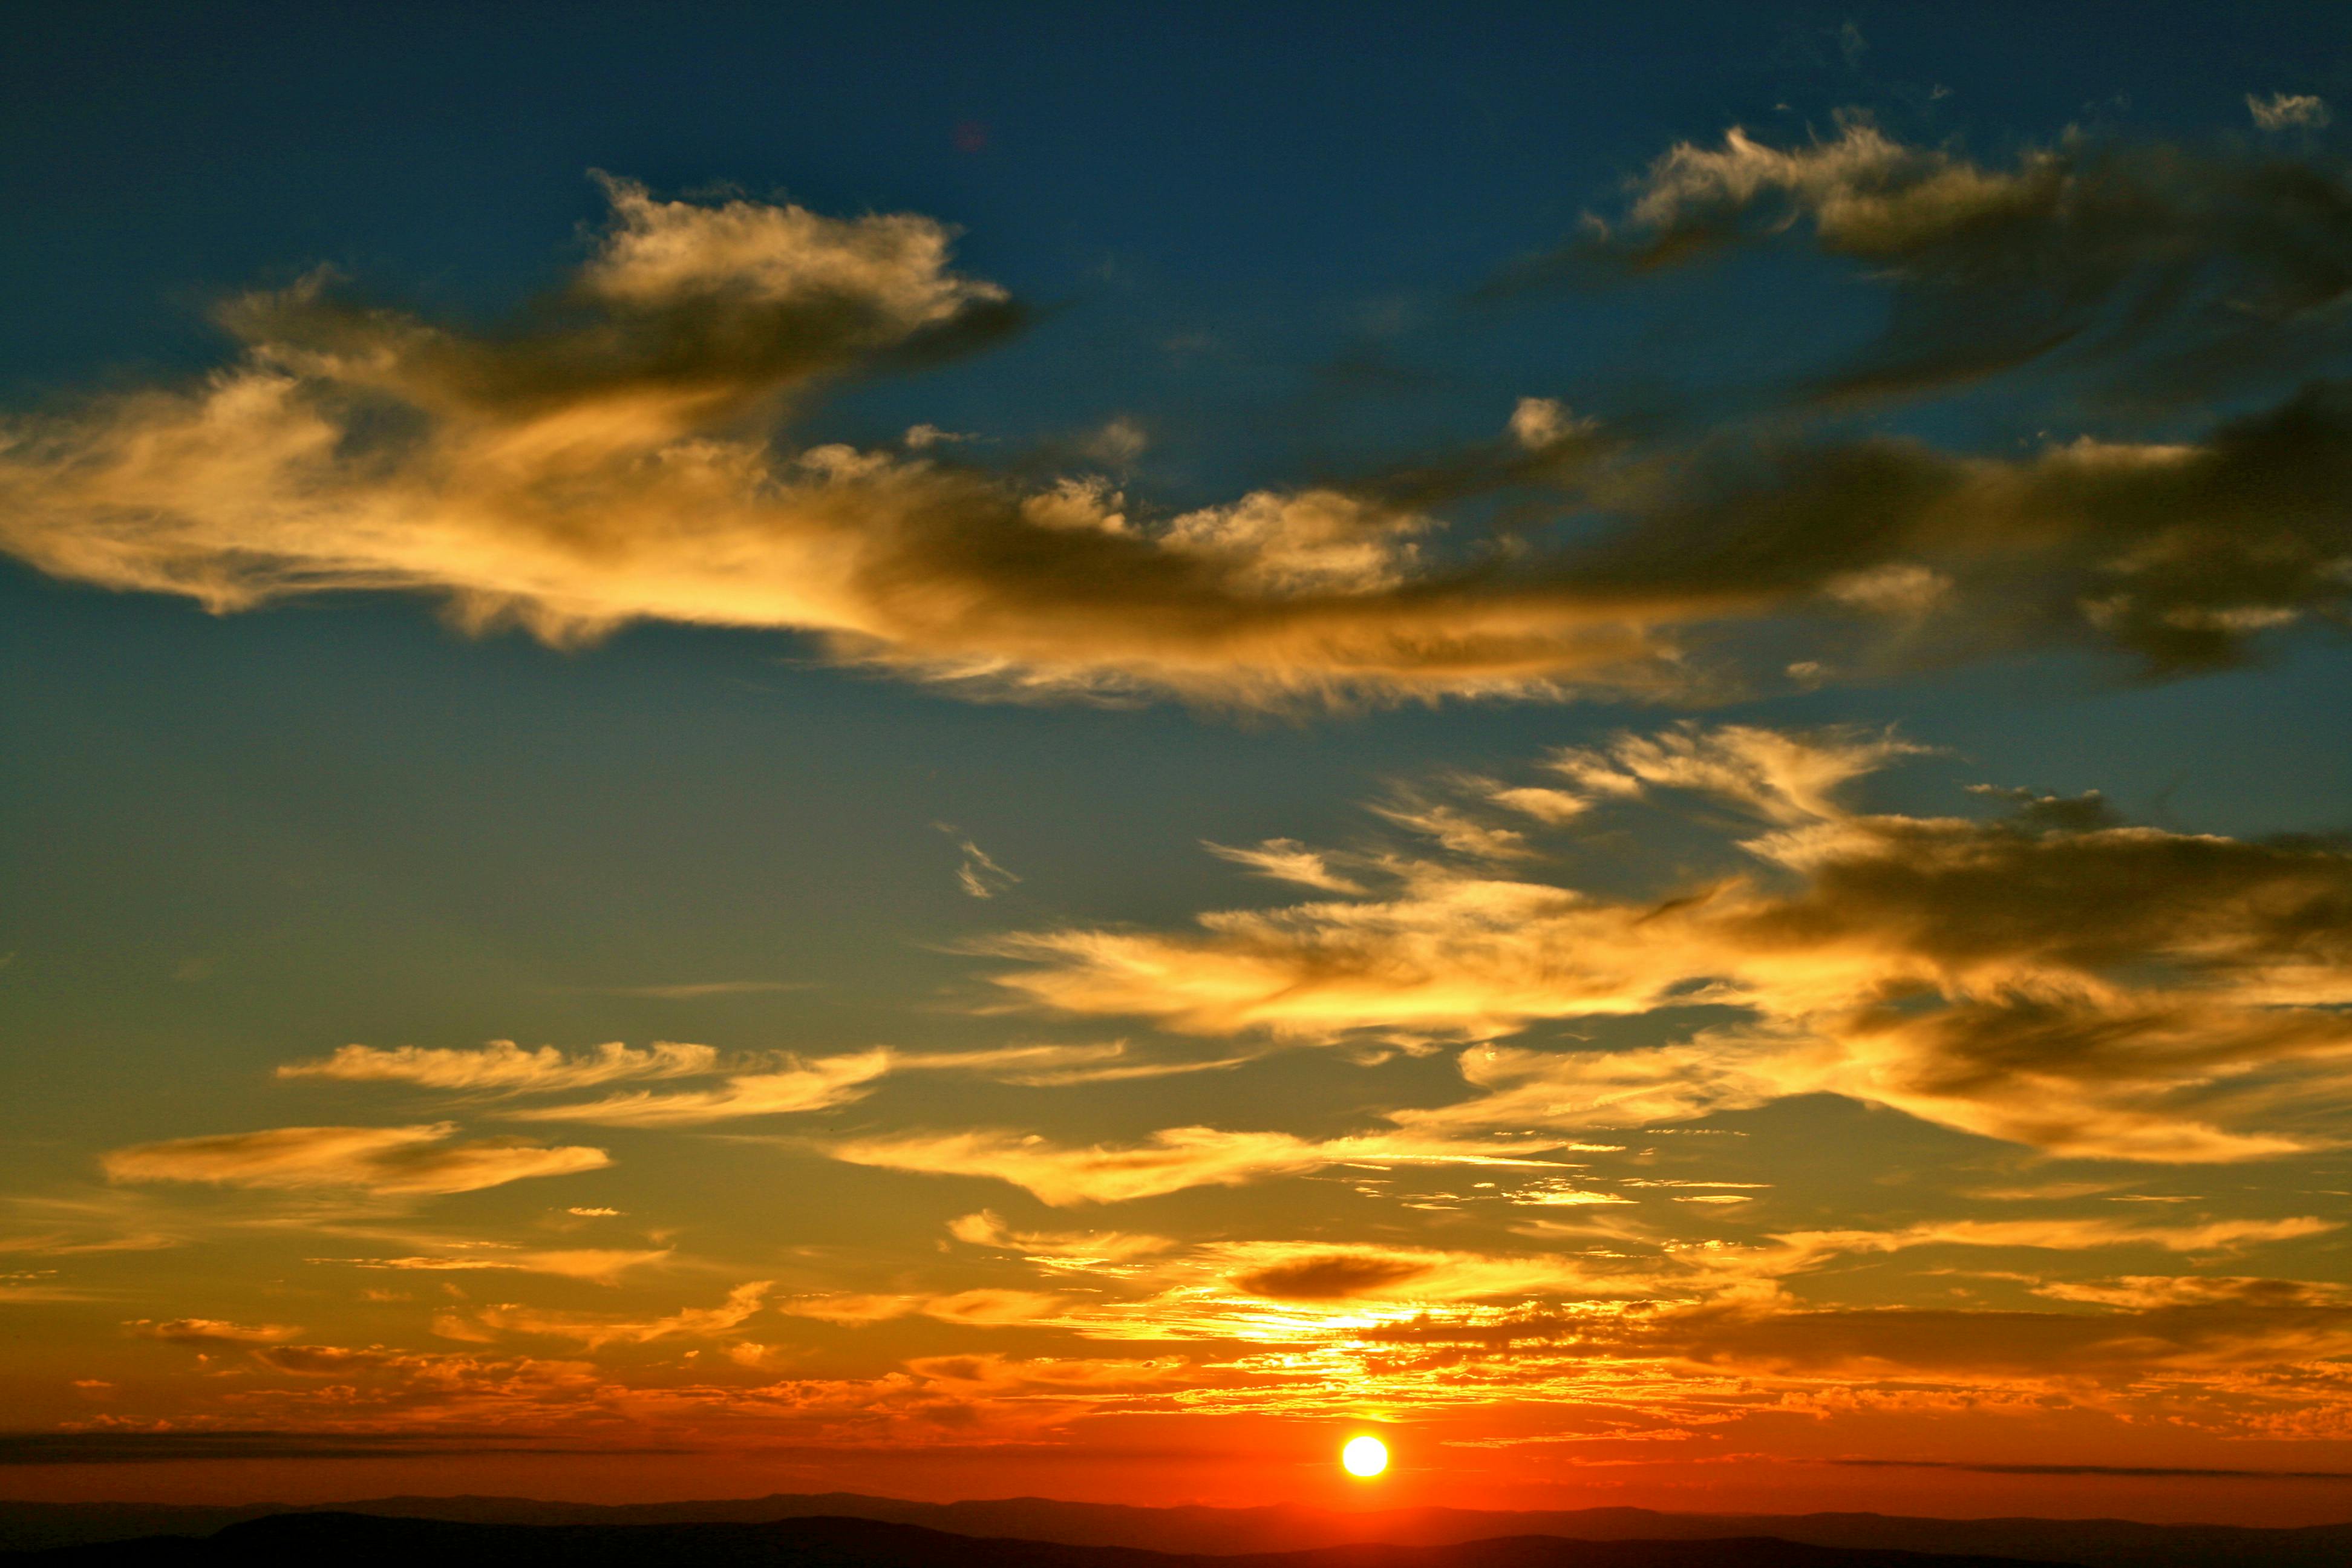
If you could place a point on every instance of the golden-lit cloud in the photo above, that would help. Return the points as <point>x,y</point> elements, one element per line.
<point>820,1083</point>
<point>2053,977</point>
<point>814,1085</point>
<point>1803,1248</point>
<point>613,459</point>
<point>503,1066</point>
<point>1110,1251</point>
<point>212,1332</point>
<point>1169,1161</point>
<point>604,1264</point>
<point>2142,1291</point>
<point>743,1303</point>
<point>1288,860</point>
<point>390,1160</point>
<point>980,1308</point>
<point>978,875</point>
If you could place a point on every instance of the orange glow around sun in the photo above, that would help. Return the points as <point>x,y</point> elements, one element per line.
<point>1364,1457</point>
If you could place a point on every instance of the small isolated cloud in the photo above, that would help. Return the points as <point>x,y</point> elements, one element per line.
<point>2287,111</point>
<point>503,1066</point>
<point>1539,422</point>
<point>1118,443</point>
<point>980,875</point>
<point>389,1160</point>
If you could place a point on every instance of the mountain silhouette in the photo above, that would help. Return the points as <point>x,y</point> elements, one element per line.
<point>1164,1534</point>
<point>363,1540</point>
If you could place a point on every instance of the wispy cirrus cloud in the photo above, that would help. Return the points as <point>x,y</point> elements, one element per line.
<point>601,1264</point>
<point>978,874</point>
<point>211,1333</point>
<point>595,1332</point>
<point>416,1160</point>
<point>982,1308</point>
<point>821,1083</point>
<point>1084,1251</point>
<point>1169,1160</point>
<point>503,1066</point>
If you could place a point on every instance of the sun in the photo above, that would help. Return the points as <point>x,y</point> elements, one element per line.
<point>1365,1457</point>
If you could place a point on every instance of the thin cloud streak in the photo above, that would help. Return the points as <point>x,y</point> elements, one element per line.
<point>398,1160</point>
<point>1169,1161</point>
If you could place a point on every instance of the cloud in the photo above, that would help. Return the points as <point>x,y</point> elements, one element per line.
<point>1805,1248</point>
<point>612,457</point>
<point>1312,1272</point>
<point>117,1447</point>
<point>815,1085</point>
<point>1782,777</point>
<point>1330,1276</point>
<point>2141,1292</point>
<point>979,1308</point>
<point>2053,978</point>
<point>603,1264</point>
<point>1455,831</point>
<point>211,1333</point>
<point>690,991</point>
<point>743,1302</point>
<point>1087,1251</point>
<point>1169,1161</point>
<point>504,1065</point>
<point>599,465</point>
<point>2167,271</point>
<point>2155,1472</point>
<point>389,1160</point>
<point>978,876</point>
<point>2285,110</point>
<point>1288,860</point>
<point>821,1083</point>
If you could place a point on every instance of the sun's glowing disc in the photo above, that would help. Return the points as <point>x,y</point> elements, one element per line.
<point>1364,1457</point>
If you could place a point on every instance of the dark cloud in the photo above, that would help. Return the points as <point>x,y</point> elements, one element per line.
<point>2159,1472</point>
<point>1331,1277</point>
<point>2172,271</point>
<point>111,1447</point>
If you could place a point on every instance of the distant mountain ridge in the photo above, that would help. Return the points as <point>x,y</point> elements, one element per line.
<point>1231,1532</point>
<point>363,1540</point>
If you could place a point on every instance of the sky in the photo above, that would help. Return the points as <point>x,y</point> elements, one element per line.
<point>1066,751</point>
